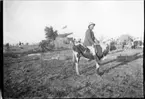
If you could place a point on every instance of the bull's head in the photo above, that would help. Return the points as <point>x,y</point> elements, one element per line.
<point>76,41</point>
<point>105,49</point>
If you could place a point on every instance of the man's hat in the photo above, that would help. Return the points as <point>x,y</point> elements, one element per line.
<point>91,23</point>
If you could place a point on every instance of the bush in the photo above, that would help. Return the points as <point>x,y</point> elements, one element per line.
<point>46,45</point>
<point>11,54</point>
<point>113,47</point>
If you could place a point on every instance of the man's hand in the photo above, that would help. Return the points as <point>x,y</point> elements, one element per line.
<point>94,44</point>
<point>97,41</point>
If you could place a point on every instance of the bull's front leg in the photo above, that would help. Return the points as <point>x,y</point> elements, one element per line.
<point>77,64</point>
<point>76,59</point>
<point>77,68</point>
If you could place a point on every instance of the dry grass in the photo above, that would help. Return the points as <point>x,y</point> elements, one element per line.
<point>32,77</point>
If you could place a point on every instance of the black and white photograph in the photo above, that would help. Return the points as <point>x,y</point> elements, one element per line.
<point>73,49</point>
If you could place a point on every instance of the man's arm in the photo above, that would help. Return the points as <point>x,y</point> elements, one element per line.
<point>96,42</point>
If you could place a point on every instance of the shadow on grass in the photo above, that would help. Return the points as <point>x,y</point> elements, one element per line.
<point>117,51</point>
<point>108,62</point>
<point>123,60</point>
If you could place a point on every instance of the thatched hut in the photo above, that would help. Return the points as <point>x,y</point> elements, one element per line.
<point>62,41</point>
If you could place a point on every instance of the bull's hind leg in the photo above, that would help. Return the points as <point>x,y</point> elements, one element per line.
<point>77,70</point>
<point>97,66</point>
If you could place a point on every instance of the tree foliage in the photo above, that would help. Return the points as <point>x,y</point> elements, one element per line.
<point>50,33</point>
<point>47,45</point>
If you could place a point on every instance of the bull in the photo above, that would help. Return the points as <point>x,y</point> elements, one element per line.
<point>79,50</point>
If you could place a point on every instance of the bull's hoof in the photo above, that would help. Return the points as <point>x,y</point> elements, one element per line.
<point>98,72</point>
<point>78,74</point>
<point>89,60</point>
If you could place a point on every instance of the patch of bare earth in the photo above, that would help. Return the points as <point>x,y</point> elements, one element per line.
<point>42,77</point>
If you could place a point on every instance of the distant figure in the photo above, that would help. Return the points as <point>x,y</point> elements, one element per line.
<point>79,41</point>
<point>123,44</point>
<point>27,43</point>
<point>20,45</point>
<point>7,46</point>
<point>132,45</point>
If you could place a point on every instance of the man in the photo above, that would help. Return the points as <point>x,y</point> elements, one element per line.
<point>123,44</point>
<point>92,43</point>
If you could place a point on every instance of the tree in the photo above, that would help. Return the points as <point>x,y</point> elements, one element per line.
<point>50,33</point>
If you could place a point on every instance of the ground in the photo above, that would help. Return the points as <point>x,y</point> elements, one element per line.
<point>53,74</point>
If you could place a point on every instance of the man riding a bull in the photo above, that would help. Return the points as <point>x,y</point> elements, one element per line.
<point>92,43</point>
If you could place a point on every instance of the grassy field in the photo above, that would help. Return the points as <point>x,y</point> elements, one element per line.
<point>53,75</point>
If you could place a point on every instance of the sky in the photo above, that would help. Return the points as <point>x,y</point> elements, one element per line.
<point>25,21</point>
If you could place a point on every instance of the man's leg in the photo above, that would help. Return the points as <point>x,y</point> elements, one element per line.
<point>98,51</point>
<point>92,49</point>
<point>97,59</point>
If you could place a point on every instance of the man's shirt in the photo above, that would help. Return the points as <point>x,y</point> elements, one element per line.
<point>89,38</point>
